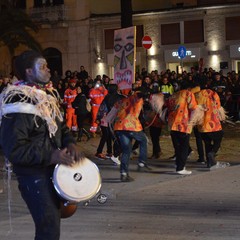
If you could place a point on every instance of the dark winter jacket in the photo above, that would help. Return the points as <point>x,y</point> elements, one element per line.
<point>26,143</point>
<point>79,104</point>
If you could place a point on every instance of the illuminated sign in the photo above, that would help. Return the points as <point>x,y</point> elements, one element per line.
<point>188,53</point>
<point>192,55</point>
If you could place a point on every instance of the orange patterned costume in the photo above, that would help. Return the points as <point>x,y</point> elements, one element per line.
<point>127,117</point>
<point>179,105</point>
<point>211,101</point>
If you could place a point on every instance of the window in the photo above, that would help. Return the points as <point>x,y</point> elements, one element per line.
<point>109,37</point>
<point>170,33</point>
<point>232,28</point>
<point>193,31</point>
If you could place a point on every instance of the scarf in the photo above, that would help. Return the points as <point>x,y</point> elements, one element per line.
<point>32,101</point>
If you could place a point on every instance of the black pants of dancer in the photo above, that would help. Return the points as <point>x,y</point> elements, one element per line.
<point>106,138</point>
<point>212,141</point>
<point>155,133</point>
<point>199,143</point>
<point>174,142</point>
<point>43,203</point>
<point>181,146</point>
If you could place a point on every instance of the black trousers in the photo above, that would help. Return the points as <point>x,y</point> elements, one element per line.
<point>80,120</point>
<point>181,146</point>
<point>43,203</point>
<point>155,133</point>
<point>106,138</point>
<point>199,143</point>
<point>212,141</point>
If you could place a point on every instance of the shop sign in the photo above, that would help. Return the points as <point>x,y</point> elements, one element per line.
<point>190,55</point>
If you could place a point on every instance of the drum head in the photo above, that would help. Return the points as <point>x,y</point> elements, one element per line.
<point>77,183</point>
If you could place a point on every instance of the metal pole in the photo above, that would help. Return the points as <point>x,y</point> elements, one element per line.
<point>147,60</point>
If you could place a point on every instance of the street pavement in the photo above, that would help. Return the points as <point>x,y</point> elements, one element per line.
<point>159,205</point>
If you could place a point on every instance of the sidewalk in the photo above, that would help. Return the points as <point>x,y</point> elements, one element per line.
<point>158,205</point>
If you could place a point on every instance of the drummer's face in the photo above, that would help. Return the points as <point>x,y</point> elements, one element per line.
<point>41,71</point>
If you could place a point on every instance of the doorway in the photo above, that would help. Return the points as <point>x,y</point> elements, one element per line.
<point>54,60</point>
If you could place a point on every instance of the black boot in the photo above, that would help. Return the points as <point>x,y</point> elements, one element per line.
<point>211,159</point>
<point>80,133</point>
<point>86,133</point>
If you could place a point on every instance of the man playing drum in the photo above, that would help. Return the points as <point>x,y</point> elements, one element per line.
<point>32,134</point>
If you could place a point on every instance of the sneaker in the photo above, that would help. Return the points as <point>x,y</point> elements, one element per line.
<point>93,129</point>
<point>220,165</point>
<point>115,160</point>
<point>184,172</point>
<point>108,155</point>
<point>7,169</point>
<point>126,178</point>
<point>100,156</point>
<point>143,167</point>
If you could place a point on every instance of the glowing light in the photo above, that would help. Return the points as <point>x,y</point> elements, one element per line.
<point>152,64</point>
<point>101,68</point>
<point>152,51</point>
<point>215,46</point>
<point>214,61</point>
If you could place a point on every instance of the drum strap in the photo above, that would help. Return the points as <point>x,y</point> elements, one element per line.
<point>149,125</point>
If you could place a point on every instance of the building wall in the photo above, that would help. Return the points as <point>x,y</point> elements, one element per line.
<point>70,37</point>
<point>80,38</point>
<point>213,50</point>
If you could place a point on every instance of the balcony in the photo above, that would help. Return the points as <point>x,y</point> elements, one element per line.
<point>49,15</point>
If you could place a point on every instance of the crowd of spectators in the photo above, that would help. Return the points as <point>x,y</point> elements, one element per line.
<point>227,86</point>
<point>166,81</point>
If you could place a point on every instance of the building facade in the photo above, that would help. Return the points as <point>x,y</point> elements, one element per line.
<point>74,33</point>
<point>208,33</point>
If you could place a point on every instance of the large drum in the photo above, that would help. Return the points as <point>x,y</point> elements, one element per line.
<point>77,183</point>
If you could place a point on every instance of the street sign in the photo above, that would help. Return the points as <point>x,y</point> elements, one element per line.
<point>182,52</point>
<point>146,42</point>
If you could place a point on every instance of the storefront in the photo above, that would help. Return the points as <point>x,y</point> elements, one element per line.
<point>174,63</point>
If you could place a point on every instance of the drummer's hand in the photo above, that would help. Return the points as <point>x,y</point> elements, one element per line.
<point>74,152</point>
<point>61,156</point>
